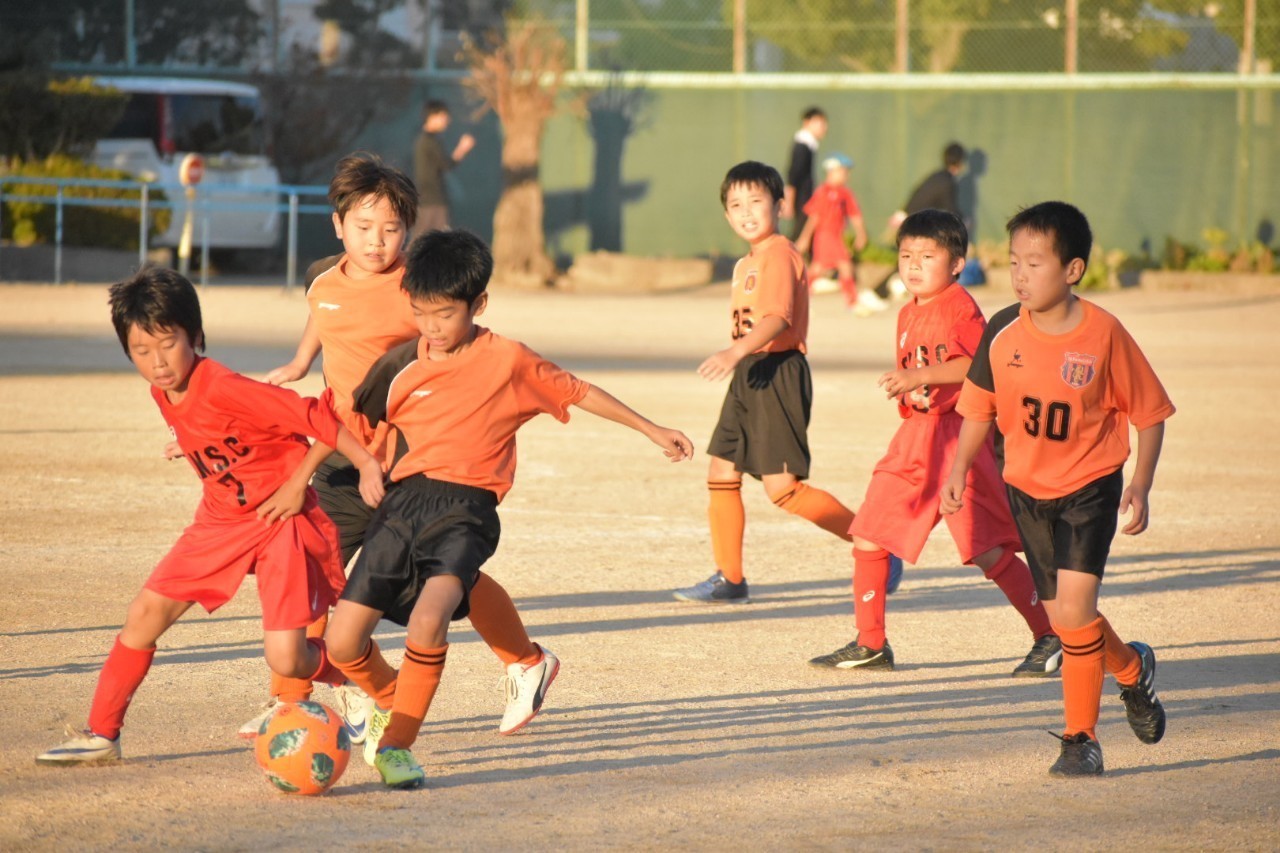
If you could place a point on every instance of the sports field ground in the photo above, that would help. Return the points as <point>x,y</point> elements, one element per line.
<point>671,725</point>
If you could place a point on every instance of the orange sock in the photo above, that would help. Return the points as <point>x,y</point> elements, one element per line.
<point>728,521</point>
<point>298,689</point>
<point>870,578</point>
<point>1082,676</point>
<point>819,507</point>
<point>419,677</point>
<point>372,674</point>
<point>1120,659</point>
<point>496,620</point>
<point>1014,579</point>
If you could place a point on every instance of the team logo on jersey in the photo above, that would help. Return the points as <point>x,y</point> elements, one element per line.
<point>749,284</point>
<point>419,393</point>
<point>902,341</point>
<point>1077,369</point>
<point>328,306</point>
<point>1016,361</point>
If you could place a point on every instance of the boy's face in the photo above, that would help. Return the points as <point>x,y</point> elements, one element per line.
<point>926,267</point>
<point>164,357</point>
<point>372,235</point>
<point>817,126</point>
<point>447,324</point>
<point>1040,280</point>
<point>751,211</point>
<point>436,122</point>
<point>837,176</point>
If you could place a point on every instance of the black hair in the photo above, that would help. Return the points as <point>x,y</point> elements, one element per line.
<point>1072,237</point>
<point>154,299</point>
<point>752,173</point>
<point>362,174</point>
<point>813,112</point>
<point>447,265</point>
<point>953,155</point>
<point>942,226</point>
<point>433,107</point>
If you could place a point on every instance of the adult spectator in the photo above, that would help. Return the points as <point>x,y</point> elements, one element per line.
<point>430,162</point>
<point>800,180</point>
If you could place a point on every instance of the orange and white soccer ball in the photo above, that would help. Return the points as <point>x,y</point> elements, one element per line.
<point>303,747</point>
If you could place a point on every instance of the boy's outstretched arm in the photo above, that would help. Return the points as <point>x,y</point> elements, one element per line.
<point>287,500</point>
<point>805,237</point>
<point>675,444</point>
<point>308,349</point>
<point>722,363</point>
<point>973,434</point>
<point>1150,442</point>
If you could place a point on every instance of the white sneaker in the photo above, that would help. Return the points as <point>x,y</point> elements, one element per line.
<point>378,720</point>
<point>526,687</point>
<point>250,730</point>
<point>825,285</point>
<point>84,747</point>
<point>868,300</point>
<point>353,704</point>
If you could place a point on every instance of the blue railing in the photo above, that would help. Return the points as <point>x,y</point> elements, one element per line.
<point>205,202</point>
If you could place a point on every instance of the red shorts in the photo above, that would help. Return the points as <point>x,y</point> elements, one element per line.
<point>901,507</point>
<point>829,250</point>
<point>296,560</point>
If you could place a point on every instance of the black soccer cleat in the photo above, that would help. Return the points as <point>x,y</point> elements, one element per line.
<point>716,589</point>
<point>1141,705</point>
<point>854,656</point>
<point>1081,756</point>
<point>1044,659</point>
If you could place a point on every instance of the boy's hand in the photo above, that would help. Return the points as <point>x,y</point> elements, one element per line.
<point>172,451</point>
<point>287,373</point>
<point>802,243</point>
<point>372,490</point>
<point>898,382</point>
<point>675,445</point>
<point>952,495</point>
<point>285,502</point>
<point>1135,498</point>
<point>720,365</point>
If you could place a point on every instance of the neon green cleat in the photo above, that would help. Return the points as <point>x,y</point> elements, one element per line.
<point>378,719</point>
<point>399,769</point>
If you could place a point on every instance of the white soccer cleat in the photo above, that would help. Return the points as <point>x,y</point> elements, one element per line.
<point>250,730</point>
<point>353,705</point>
<point>526,687</point>
<point>84,747</point>
<point>825,285</point>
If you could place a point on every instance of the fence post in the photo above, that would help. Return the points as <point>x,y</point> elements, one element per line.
<point>1,215</point>
<point>901,37</point>
<point>143,202</point>
<point>581,35</point>
<point>1246,42</point>
<point>739,36</point>
<point>292,274</point>
<point>204,249</point>
<point>1072,59</point>
<point>57,240</point>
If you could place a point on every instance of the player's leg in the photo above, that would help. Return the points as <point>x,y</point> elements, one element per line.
<point>127,664</point>
<point>810,503</point>
<point>848,285</point>
<point>1002,566</point>
<point>530,668</point>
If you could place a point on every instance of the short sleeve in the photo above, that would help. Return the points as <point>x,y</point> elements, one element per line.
<point>812,207</point>
<point>976,403</point>
<point>851,201</point>
<point>544,387</point>
<point>980,373</point>
<point>776,287</point>
<point>270,407</point>
<point>1136,389</point>
<point>965,335</point>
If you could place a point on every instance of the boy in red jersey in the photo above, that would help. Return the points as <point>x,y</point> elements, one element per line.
<point>938,332</point>
<point>832,206</point>
<point>1063,381</point>
<point>245,441</point>
<point>456,397</point>
<point>358,312</point>
<point>763,427</point>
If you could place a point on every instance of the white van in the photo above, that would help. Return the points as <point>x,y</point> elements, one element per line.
<point>167,118</point>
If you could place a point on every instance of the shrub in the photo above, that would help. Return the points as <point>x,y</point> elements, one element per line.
<point>876,253</point>
<point>27,222</point>
<point>45,117</point>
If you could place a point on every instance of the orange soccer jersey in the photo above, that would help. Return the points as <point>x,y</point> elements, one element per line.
<point>458,417</point>
<point>1062,402</point>
<point>771,281</point>
<point>358,321</point>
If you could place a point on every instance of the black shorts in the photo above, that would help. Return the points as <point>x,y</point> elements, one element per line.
<point>1071,532</point>
<point>423,528</point>
<point>337,484</point>
<point>764,422</point>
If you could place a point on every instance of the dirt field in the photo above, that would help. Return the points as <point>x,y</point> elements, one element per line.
<point>671,725</point>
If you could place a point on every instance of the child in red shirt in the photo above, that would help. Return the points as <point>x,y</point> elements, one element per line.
<point>832,206</point>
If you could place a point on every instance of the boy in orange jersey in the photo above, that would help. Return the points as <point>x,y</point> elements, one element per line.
<point>764,421</point>
<point>832,206</point>
<point>245,440</point>
<point>1063,381</point>
<point>358,312</point>
<point>455,397</point>
<point>938,332</point>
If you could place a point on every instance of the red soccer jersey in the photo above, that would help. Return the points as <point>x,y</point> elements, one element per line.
<point>358,321</point>
<point>948,326</point>
<point>832,206</point>
<point>771,280</point>
<point>458,417</point>
<point>1062,402</point>
<point>243,438</point>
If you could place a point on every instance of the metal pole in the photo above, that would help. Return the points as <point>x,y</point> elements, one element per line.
<point>57,240</point>
<point>1,214</point>
<point>130,41</point>
<point>143,204</point>
<point>1247,42</point>
<point>581,32</point>
<point>739,36</point>
<point>292,274</point>
<point>432,34</point>
<point>204,249</point>
<point>901,37</point>
<point>1072,58</point>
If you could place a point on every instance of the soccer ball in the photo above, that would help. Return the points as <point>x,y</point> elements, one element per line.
<point>303,747</point>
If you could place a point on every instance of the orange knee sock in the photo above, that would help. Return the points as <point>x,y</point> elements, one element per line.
<point>372,674</point>
<point>496,620</point>
<point>419,677</point>
<point>870,578</point>
<point>1082,671</point>
<point>728,521</point>
<point>819,507</point>
<point>298,689</point>
<point>1120,659</point>
<point>1014,579</point>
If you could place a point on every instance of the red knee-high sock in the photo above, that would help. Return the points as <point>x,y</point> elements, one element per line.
<point>496,620</point>
<point>1119,658</point>
<point>298,689</point>
<point>1081,676</point>
<point>728,522</point>
<point>372,674</point>
<point>850,289</point>
<point>121,674</point>
<point>820,507</point>
<point>419,677</point>
<point>870,577</point>
<point>1014,579</point>
<point>326,672</point>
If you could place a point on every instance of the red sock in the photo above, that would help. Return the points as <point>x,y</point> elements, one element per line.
<point>326,672</point>
<point>372,674</point>
<point>496,620</point>
<point>1014,579</point>
<point>820,507</point>
<point>1119,658</point>
<point>850,289</point>
<point>1081,676</point>
<point>728,522</point>
<point>419,677</point>
<point>870,577</point>
<point>298,689</point>
<point>121,674</point>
